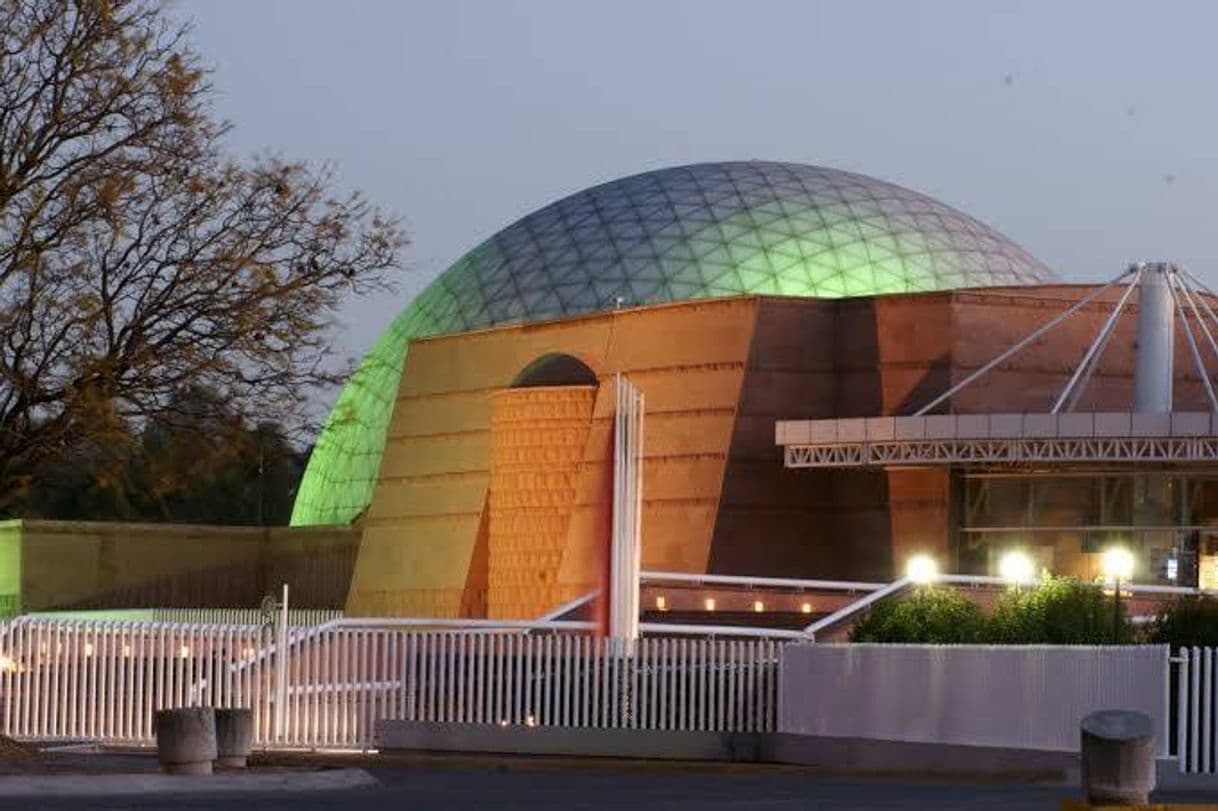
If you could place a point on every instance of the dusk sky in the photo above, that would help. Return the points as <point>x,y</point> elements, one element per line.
<point>1087,132</point>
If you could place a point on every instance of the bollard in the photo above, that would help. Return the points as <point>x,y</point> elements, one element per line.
<point>1118,757</point>
<point>234,737</point>
<point>186,740</point>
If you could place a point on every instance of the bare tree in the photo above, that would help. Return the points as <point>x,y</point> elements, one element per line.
<point>136,259</point>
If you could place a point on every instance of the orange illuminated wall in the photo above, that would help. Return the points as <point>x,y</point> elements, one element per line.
<point>537,449</point>
<point>432,543</point>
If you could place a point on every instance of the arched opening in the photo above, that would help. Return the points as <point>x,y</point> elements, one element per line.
<point>555,369</point>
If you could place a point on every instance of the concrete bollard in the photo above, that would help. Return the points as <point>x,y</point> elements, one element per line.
<point>1118,757</point>
<point>186,740</point>
<point>234,737</point>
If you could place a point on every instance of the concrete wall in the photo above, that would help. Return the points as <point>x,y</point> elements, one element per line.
<point>1017,697</point>
<point>68,564</point>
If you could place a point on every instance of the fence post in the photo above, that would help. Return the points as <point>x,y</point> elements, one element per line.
<point>281,667</point>
<point>1182,712</point>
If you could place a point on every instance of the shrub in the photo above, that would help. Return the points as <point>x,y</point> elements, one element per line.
<point>930,615</point>
<point>1187,622</point>
<point>1057,611</point>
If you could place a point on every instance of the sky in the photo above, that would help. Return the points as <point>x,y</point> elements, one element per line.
<point>1085,131</point>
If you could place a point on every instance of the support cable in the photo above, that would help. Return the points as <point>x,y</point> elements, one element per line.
<point>1038,332</point>
<point>1087,364</point>
<point>1082,386</point>
<point>1172,282</point>
<point>1205,330</point>
<point>1201,288</point>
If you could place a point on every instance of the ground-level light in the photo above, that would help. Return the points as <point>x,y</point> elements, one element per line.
<point>661,603</point>
<point>709,603</point>
<point>758,606</point>
<point>921,569</point>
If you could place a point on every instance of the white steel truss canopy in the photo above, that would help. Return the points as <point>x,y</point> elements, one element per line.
<point>1000,439</point>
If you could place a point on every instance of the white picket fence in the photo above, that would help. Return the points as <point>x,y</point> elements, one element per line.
<point>1197,710</point>
<point>102,681</point>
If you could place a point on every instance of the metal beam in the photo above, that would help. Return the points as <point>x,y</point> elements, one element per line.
<point>930,453</point>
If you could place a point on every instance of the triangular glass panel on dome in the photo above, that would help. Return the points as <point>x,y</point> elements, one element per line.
<point>799,280</point>
<point>710,252</point>
<point>683,291</point>
<point>693,212</point>
<point>830,286</point>
<point>758,282</point>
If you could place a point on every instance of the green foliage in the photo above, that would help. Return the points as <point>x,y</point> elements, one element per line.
<point>1189,621</point>
<point>199,464</point>
<point>930,616</point>
<point>1057,611</point>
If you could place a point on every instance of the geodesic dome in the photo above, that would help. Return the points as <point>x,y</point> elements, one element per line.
<point>688,232</point>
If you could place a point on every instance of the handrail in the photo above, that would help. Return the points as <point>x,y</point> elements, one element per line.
<point>857,606</point>
<point>737,580</point>
<point>453,624</point>
<point>569,606</point>
<point>723,630</point>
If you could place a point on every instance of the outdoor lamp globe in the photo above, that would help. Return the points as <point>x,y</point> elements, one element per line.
<point>1016,567</point>
<point>922,569</point>
<point>1117,563</point>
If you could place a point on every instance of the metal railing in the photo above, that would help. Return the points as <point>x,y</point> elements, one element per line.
<point>102,681</point>
<point>1197,710</point>
<point>214,616</point>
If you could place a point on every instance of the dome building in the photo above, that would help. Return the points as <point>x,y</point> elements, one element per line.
<point>679,234</point>
<point>775,317</point>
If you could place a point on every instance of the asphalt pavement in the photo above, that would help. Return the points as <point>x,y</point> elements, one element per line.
<point>478,783</point>
<point>419,787</point>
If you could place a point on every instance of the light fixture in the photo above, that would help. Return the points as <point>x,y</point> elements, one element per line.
<point>661,603</point>
<point>806,608</point>
<point>922,569</point>
<point>1016,567</point>
<point>1117,563</point>
<point>758,606</point>
<point>709,603</point>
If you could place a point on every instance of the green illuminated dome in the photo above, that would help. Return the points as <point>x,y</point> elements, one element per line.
<point>689,232</point>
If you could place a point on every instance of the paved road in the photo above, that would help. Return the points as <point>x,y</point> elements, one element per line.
<point>419,788</point>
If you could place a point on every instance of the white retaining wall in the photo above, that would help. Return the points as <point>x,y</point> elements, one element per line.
<point>1018,697</point>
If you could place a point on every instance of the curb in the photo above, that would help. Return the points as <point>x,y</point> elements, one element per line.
<point>127,785</point>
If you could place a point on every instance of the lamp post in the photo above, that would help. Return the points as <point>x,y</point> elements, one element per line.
<point>1117,564</point>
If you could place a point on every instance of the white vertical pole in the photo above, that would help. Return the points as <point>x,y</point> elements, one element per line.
<point>281,671</point>
<point>1207,725</point>
<point>627,514</point>
<point>1194,706</point>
